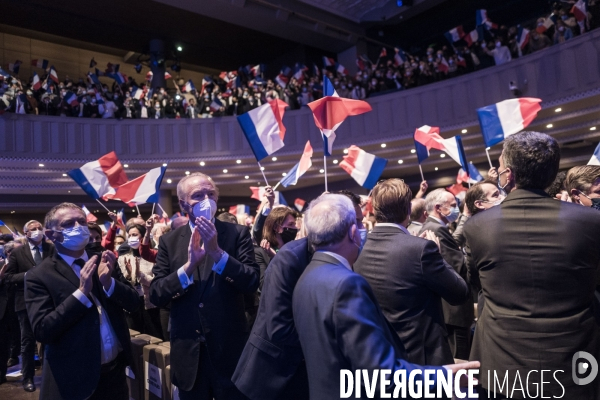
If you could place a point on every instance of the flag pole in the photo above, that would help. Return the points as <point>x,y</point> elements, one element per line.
<point>487,152</point>
<point>325,169</point>
<point>421,169</point>
<point>161,209</point>
<point>138,210</point>
<point>262,172</point>
<point>103,206</point>
<point>276,186</point>
<point>153,205</point>
<point>6,226</point>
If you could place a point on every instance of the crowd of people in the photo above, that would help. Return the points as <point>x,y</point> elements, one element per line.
<point>276,309</point>
<point>238,92</point>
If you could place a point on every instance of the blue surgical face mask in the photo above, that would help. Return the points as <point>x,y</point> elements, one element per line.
<point>75,238</point>
<point>206,208</point>
<point>363,237</point>
<point>453,216</point>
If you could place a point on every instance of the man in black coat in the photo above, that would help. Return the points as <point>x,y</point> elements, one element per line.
<point>537,259</point>
<point>443,210</point>
<point>204,269</point>
<point>20,262</point>
<point>409,277</point>
<point>75,302</point>
<point>271,366</point>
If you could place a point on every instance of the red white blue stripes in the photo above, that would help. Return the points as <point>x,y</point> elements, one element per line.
<point>143,189</point>
<point>299,169</point>
<point>364,167</point>
<point>500,120</point>
<point>100,178</point>
<point>264,128</point>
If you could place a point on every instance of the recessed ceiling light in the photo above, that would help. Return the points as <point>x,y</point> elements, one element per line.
<point>274,158</point>
<point>64,174</point>
<point>283,173</point>
<point>383,145</point>
<point>224,171</point>
<point>463,131</point>
<point>179,48</point>
<point>345,151</point>
<point>41,165</point>
<point>238,161</point>
<point>593,128</point>
<point>202,163</point>
<point>442,155</point>
<point>436,168</point>
<point>187,172</point>
<point>400,161</point>
<point>335,161</point>
<point>321,171</point>
<point>126,165</point>
<point>558,109</point>
<point>246,177</point>
<point>413,151</point>
<point>262,168</point>
<point>69,191</point>
<point>169,181</point>
<point>549,126</point>
<point>12,212</point>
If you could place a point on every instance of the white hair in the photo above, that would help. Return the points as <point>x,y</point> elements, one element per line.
<point>181,185</point>
<point>26,226</point>
<point>434,198</point>
<point>328,219</point>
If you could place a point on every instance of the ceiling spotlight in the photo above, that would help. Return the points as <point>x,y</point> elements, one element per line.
<point>345,151</point>
<point>383,145</point>
<point>12,212</point>
<point>593,128</point>
<point>558,109</point>
<point>238,161</point>
<point>321,171</point>
<point>436,168</point>
<point>442,155</point>
<point>187,172</point>
<point>335,161</point>
<point>41,165</point>
<point>169,181</point>
<point>202,163</point>
<point>69,191</point>
<point>164,164</point>
<point>413,151</point>
<point>274,158</point>
<point>284,174</point>
<point>64,174</point>
<point>179,48</point>
<point>262,168</point>
<point>246,177</point>
<point>463,131</point>
<point>400,161</point>
<point>125,165</point>
<point>549,126</point>
<point>224,171</point>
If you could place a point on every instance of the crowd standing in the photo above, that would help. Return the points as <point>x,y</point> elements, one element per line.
<point>237,92</point>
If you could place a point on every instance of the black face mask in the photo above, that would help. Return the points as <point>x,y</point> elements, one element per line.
<point>288,234</point>
<point>596,203</point>
<point>94,247</point>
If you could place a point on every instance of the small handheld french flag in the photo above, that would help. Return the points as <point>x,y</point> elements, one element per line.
<point>36,84</point>
<point>500,120</point>
<point>473,176</point>
<point>189,86</point>
<point>240,209</point>
<point>259,191</point>
<point>264,128</point>
<point>53,74</point>
<point>364,167</point>
<point>88,215</point>
<point>299,204</point>
<point>100,178</point>
<point>328,135</point>
<point>299,169</point>
<point>428,137</point>
<point>143,189</point>
<point>595,160</point>
<point>40,63</point>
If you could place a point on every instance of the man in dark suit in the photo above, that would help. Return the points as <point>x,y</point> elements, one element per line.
<point>22,260</point>
<point>271,365</point>
<point>204,269</point>
<point>409,277</point>
<point>443,210</point>
<point>336,314</point>
<point>75,303</point>
<point>537,260</point>
<point>5,293</point>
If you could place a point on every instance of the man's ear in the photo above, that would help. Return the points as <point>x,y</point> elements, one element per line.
<point>50,234</point>
<point>574,194</point>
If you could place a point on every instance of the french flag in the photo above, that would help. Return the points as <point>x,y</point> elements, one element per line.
<point>93,78</point>
<point>40,63</point>
<point>443,66</point>
<point>282,80</point>
<point>299,204</point>
<point>143,189</point>
<point>120,78</point>
<point>360,63</point>
<point>399,57</point>
<point>206,81</point>
<point>522,37</point>
<point>137,93</point>
<point>481,17</point>
<point>259,192</point>
<point>500,120</point>
<point>71,98</point>
<point>264,128</point>
<point>383,52</point>
<point>100,178</point>
<point>299,72</point>
<point>36,84</point>
<point>454,35</point>
<point>472,37</point>
<point>167,75</point>
<point>328,135</point>
<point>14,67</point>
<point>548,22</point>
<point>240,209</point>
<point>428,137</point>
<point>299,169</point>
<point>189,86</point>
<point>257,70</point>
<point>595,160</point>
<point>328,62</point>
<point>88,215</point>
<point>364,167</point>
<point>579,10</point>
<point>149,76</point>
<point>53,74</point>
<point>216,105</point>
<point>461,61</point>
<point>473,176</point>
<point>341,69</point>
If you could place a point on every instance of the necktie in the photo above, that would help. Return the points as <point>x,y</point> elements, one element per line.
<point>37,256</point>
<point>80,263</point>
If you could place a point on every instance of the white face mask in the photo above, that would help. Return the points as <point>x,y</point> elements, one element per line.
<point>133,242</point>
<point>206,208</point>
<point>75,238</point>
<point>35,235</point>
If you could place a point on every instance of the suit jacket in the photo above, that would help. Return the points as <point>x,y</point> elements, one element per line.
<point>537,260</point>
<point>4,293</point>
<point>458,315</point>
<point>273,353</point>
<point>19,262</point>
<point>409,278</point>
<point>69,330</point>
<point>211,310</point>
<point>341,326</point>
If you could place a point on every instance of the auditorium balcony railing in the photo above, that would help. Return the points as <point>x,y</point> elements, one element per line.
<point>557,75</point>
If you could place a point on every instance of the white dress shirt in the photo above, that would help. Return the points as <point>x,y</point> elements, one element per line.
<point>109,344</point>
<point>341,259</point>
<point>32,248</point>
